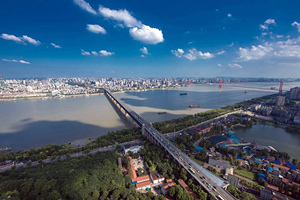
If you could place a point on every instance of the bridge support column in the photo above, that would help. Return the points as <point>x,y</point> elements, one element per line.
<point>143,131</point>
<point>134,123</point>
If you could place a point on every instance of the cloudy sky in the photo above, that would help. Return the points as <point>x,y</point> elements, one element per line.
<point>133,38</point>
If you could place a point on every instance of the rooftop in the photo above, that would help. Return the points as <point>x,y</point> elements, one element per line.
<point>155,175</point>
<point>168,185</point>
<point>142,184</point>
<point>141,178</point>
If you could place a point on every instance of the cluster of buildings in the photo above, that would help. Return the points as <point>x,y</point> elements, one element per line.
<point>16,88</point>
<point>22,88</point>
<point>277,110</point>
<point>295,93</point>
<point>153,181</point>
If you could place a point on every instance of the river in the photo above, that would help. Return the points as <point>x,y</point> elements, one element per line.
<point>34,123</point>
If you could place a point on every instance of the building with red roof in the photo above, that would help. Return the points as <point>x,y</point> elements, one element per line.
<point>186,187</point>
<point>143,185</point>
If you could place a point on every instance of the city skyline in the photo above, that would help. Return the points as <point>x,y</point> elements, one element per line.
<point>91,38</point>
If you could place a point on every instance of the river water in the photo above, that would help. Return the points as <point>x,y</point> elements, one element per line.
<point>272,136</point>
<point>34,123</point>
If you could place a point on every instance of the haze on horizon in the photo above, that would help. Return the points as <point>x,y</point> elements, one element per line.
<point>93,38</point>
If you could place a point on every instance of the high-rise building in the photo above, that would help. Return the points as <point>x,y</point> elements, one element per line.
<point>295,93</point>
<point>280,100</point>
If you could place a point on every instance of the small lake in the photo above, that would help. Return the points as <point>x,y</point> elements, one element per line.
<point>276,137</point>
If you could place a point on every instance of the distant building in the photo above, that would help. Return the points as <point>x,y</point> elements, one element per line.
<point>266,194</point>
<point>186,187</point>
<point>7,163</point>
<point>295,93</point>
<point>218,163</point>
<point>156,177</point>
<point>166,187</point>
<point>133,149</point>
<point>233,180</point>
<point>228,171</point>
<point>280,100</point>
<point>255,107</point>
<point>297,120</point>
<point>143,185</point>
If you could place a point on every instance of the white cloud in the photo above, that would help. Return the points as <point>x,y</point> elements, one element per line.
<point>229,15</point>
<point>289,48</point>
<point>143,56</point>
<point>270,21</point>
<point>106,53</point>
<point>120,15</point>
<point>193,54</point>
<point>235,65</point>
<point>95,53</point>
<point>220,52</point>
<point>31,40</point>
<point>296,24</point>
<point>85,6</point>
<point>138,30</point>
<point>10,37</point>
<point>266,25</point>
<point>254,53</point>
<point>231,45</point>
<point>219,65</point>
<point>17,61</point>
<point>94,28</point>
<point>85,53</point>
<point>24,62</point>
<point>56,46</point>
<point>144,50</point>
<point>147,34</point>
<point>263,27</point>
<point>21,40</point>
<point>178,53</point>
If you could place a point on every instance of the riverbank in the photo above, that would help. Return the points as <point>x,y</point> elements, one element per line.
<point>47,97</point>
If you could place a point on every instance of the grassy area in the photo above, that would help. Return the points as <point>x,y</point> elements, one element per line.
<point>246,174</point>
<point>197,161</point>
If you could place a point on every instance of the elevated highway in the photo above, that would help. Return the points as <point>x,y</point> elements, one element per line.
<point>206,179</point>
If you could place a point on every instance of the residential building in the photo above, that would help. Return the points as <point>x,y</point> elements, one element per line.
<point>156,177</point>
<point>295,93</point>
<point>143,185</point>
<point>186,187</point>
<point>218,163</point>
<point>133,149</point>
<point>266,194</point>
<point>280,100</point>
<point>233,180</point>
<point>166,187</point>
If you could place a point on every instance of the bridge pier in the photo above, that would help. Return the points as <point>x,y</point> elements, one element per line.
<point>133,123</point>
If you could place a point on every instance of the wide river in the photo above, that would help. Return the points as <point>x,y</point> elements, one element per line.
<point>34,123</point>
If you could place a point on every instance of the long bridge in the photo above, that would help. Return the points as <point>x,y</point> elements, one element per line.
<point>211,183</point>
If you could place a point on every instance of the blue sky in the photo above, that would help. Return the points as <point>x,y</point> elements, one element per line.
<point>133,38</point>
